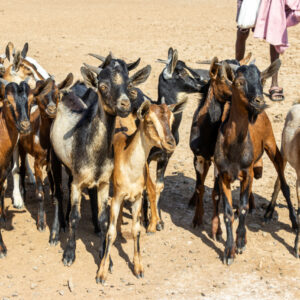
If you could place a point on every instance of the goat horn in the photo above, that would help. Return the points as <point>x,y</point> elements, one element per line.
<point>163,61</point>
<point>234,67</point>
<point>203,62</point>
<point>163,100</point>
<point>93,68</point>
<point>102,58</point>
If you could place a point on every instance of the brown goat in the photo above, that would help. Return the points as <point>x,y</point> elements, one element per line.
<point>241,141</point>
<point>37,143</point>
<point>14,122</point>
<point>130,172</point>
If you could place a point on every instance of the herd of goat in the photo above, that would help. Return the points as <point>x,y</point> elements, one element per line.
<point>104,130</point>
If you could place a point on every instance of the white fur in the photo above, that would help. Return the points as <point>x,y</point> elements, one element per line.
<point>39,68</point>
<point>63,124</point>
<point>33,109</point>
<point>17,196</point>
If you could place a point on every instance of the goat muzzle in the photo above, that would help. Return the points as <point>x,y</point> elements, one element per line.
<point>25,127</point>
<point>169,145</point>
<point>124,107</point>
<point>51,111</point>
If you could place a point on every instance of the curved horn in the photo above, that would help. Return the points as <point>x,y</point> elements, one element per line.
<point>234,67</point>
<point>203,62</point>
<point>102,58</point>
<point>93,68</point>
<point>162,61</point>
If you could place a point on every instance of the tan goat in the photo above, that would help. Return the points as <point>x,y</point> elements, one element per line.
<point>130,172</point>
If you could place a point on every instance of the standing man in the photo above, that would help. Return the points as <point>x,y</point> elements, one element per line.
<point>274,16</point>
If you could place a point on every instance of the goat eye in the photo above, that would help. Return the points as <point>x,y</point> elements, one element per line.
<point>130,86</point>
<point>103,88</point>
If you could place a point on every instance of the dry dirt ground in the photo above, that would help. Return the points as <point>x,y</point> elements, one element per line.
<point>180,262</point>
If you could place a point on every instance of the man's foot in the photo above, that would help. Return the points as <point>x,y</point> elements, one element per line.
<point>276,93</point>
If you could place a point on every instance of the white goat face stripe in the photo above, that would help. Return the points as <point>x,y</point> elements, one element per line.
<point>157,125</point>
<point>118,79</point>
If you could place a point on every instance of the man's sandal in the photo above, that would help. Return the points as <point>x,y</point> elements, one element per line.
<point>276,93</point>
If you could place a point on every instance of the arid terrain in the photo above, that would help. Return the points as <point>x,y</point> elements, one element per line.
<point>180,262</point>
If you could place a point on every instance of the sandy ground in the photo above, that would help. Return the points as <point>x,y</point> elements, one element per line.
<point>180,262</point>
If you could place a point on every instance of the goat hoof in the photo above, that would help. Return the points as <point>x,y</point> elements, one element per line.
<point>160,226</point>
<point>252,212</point>
<point>41,227</point>
<point>140,275</point>
<point>296,253</point>
<point>3,251</point>
<point>69,257</point>
<point>100,280</point>
<point>241,250</point>
<point>197,223</point>
<point>229,261</point>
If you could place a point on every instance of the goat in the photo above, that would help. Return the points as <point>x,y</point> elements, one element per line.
<point>37,144</point>
<point>290,153</point>
<point>205,126</point>
<point>14,120</point>
<point>175,82</point>
<point>81,136</point>
<point>130,171</point>
<point>22,68</point>
<point>241,141</point>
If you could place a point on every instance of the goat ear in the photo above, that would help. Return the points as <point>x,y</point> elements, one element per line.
<point>140,76</point>
<point>178,107</point>
<point>246,59</point>
<point>270,71</point>
<point>89,77</point>
<point>43,87</point>
<point>214,68</point>
<point>25,50</point>
<point>17,61</point>
<point>9,50</point>
<point>133,65</point>
<point>66,82</point>
<point>172,61</point>
<point>227,73</point>
<point>144,108</point>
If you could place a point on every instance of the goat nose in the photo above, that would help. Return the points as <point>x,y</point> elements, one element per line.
<point>171,142</point>
<point>51,108</point>
<point>25,125</point>
<point>259,99</point>
<point>125,104</point>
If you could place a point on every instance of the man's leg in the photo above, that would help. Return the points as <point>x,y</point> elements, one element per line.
<point>276,92</point>
<point>240,44</point>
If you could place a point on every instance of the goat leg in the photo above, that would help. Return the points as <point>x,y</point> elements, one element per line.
<point>277,160</point>
<point>3,250</point>
<point>58,219</point>
<point>229,252</point>
<point>110,238</point>
<point>69,253</point>
<point>296,247</point>
<point>203,167</point>
<point>241,234</point>
<point>215,224</point>
<point>151,193</point>
<point>41,219</point>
